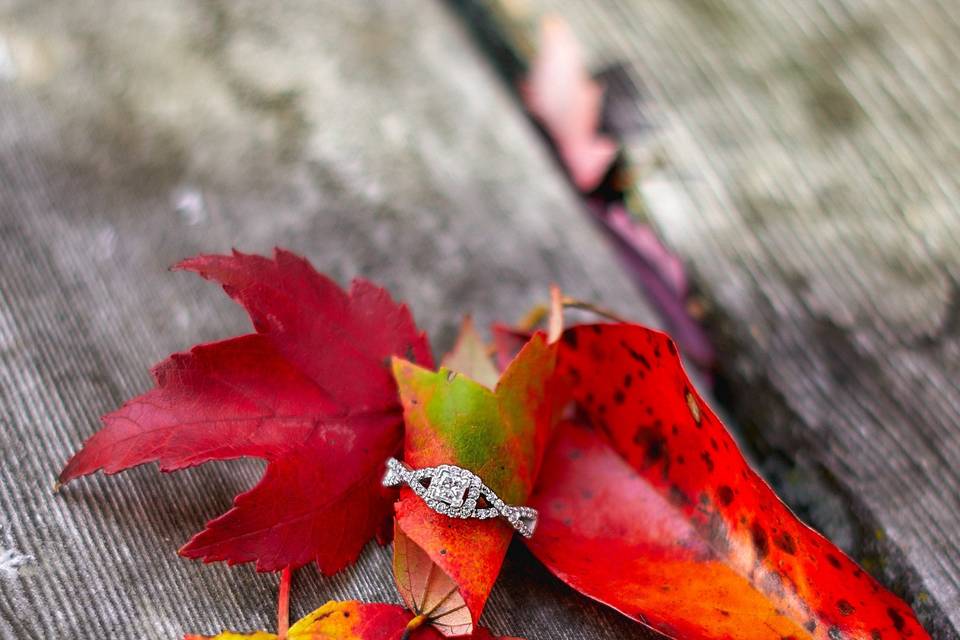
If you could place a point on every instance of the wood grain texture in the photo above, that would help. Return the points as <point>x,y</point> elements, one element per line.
<point>802,157</point>
<point>371,137</point>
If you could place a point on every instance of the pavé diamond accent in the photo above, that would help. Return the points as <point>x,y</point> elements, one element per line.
<point>454,492</point>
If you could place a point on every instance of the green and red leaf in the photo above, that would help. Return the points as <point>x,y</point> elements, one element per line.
<point>445,566</point>
<point>310,392</point>
<point>652,509</point>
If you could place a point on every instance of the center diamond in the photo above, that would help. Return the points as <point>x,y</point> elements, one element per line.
<point>448,487</point>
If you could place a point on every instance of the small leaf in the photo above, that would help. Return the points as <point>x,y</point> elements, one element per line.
<point>470,356</point>
<point>350,620</point>
<point>426,589</point>
<point>654,511</point>
<point>561,95</point>
<point>663,278</point>
<point>445,567</point>
<point>642,239</point>
<point>310,393</point>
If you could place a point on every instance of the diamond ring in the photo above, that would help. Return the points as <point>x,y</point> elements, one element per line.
<point>458,493</point>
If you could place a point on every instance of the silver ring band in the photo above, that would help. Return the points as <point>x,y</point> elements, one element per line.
<point>454,492</point>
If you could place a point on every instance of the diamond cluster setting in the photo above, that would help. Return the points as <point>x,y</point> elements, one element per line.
<point>456,492</point>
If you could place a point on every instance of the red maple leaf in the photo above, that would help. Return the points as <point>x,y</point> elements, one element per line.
<point>310,392</point>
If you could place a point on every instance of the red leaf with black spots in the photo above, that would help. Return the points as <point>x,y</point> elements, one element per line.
<point>310,392</point>
<point>654,511</point>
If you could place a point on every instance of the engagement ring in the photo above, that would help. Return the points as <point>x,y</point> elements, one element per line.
<point>458,493</point>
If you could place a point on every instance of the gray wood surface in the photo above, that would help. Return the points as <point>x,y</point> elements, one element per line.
<point>371,137</point>
<point>803,157</point>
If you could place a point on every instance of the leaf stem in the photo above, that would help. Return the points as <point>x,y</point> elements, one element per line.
<point>537,314</point>
<point>573,303</point>
<point>283,603</point>
<point>414,624</point>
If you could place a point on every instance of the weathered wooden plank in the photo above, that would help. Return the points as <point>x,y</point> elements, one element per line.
<point>370,137</point>
<point>802,156</point>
